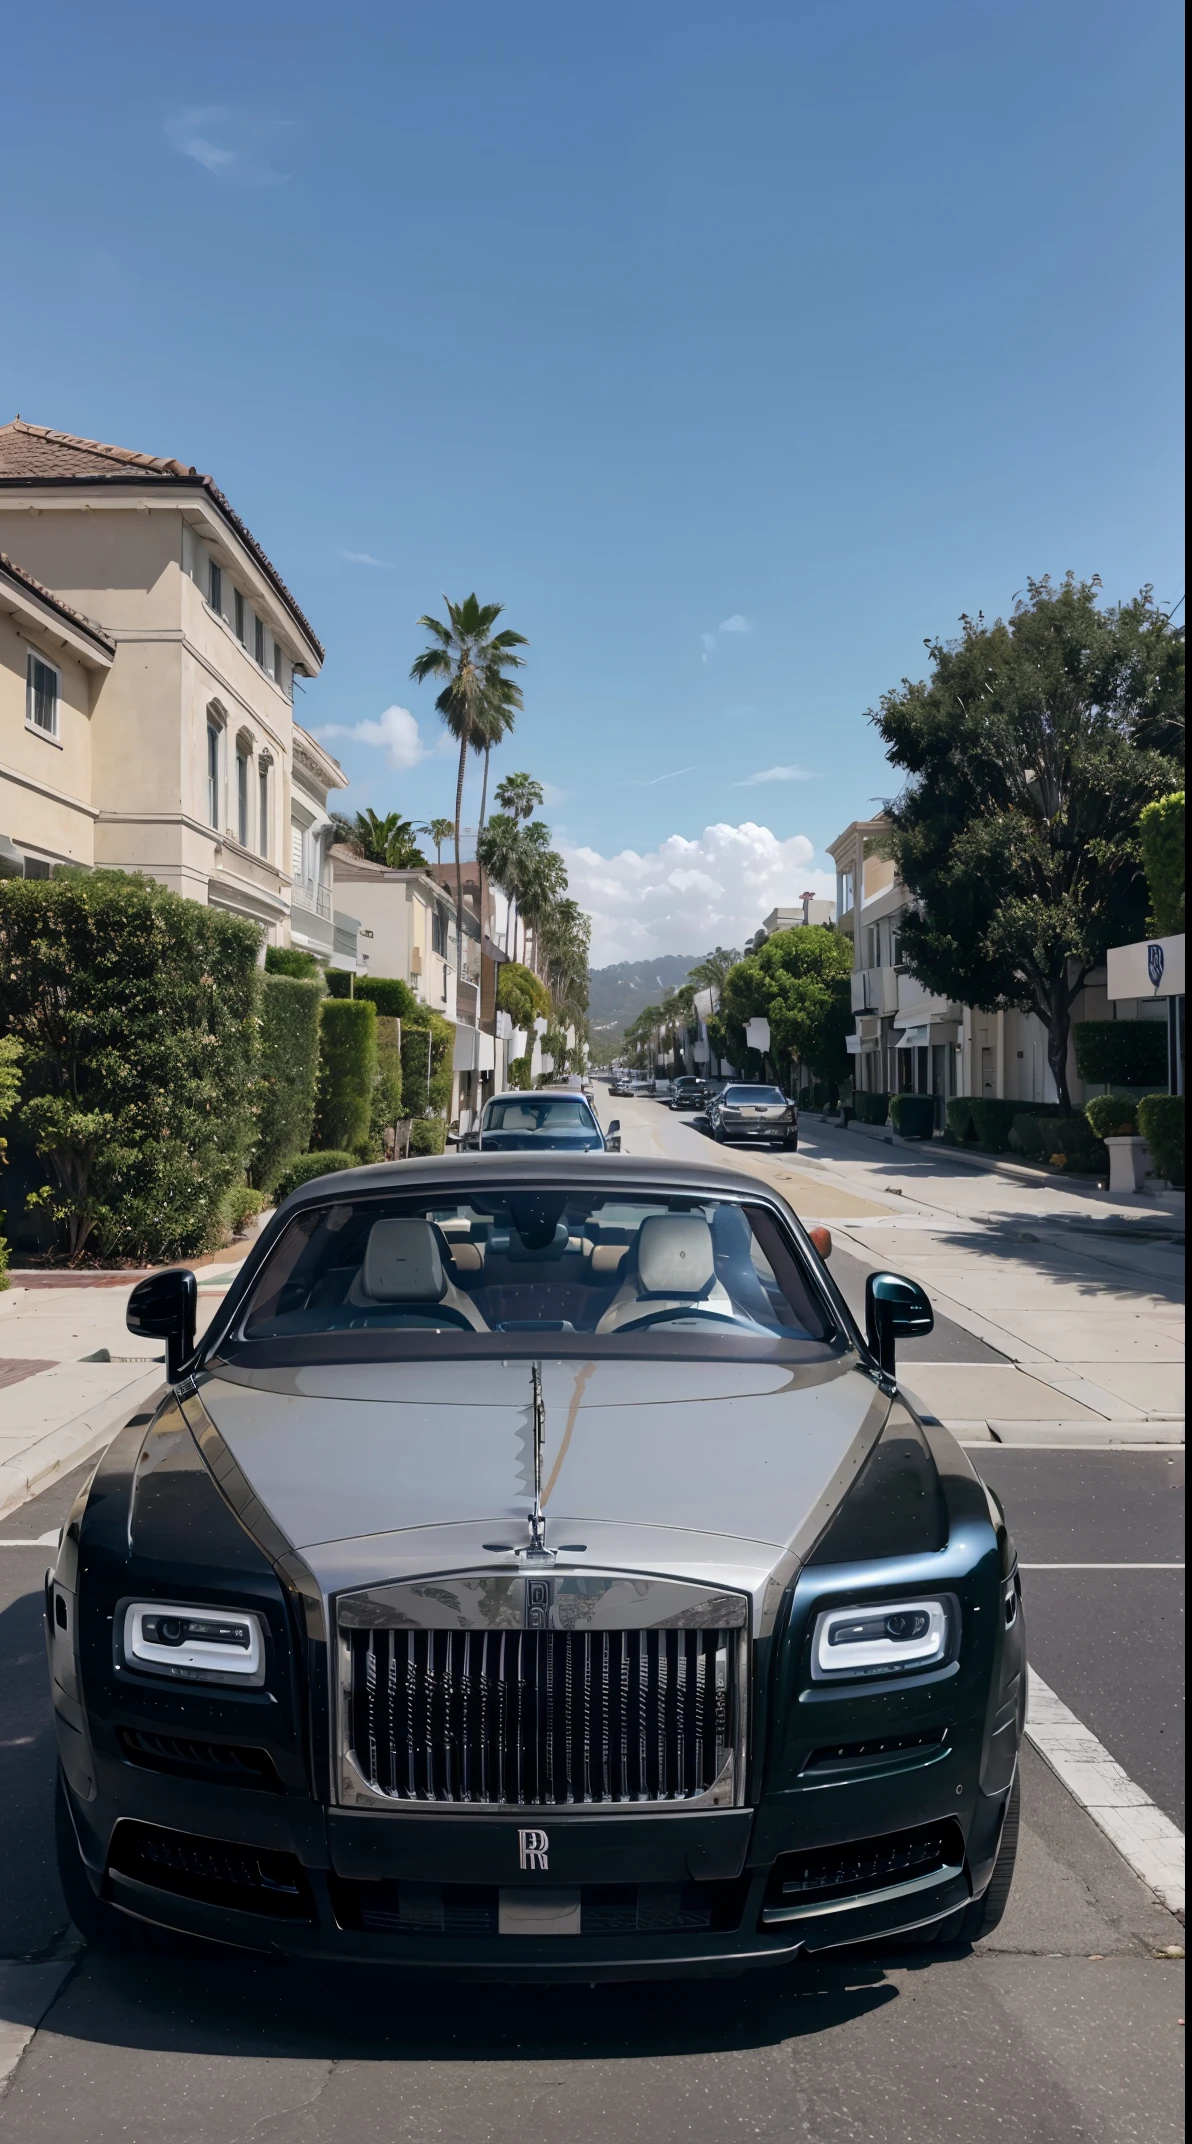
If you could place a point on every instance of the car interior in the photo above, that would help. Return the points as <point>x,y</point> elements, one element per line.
<point>535,1260</point>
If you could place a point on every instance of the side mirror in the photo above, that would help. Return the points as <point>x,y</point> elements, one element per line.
<point>615,1126</point>
<point>895,1309</point>
<point>163,1308</point>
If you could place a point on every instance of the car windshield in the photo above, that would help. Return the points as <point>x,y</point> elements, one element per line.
<point>742,1096</point>
<point>538,1113</point>
<point>620,1272</point>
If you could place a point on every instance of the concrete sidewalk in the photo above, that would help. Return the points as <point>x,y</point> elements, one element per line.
<point>71,1373</point>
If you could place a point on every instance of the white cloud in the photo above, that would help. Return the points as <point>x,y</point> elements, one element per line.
<point>396,733</point>
<point>230,142</point>
<point>687,896</point>
<point>735,624</point>
<point>776,774</point>
<point>365,558</point>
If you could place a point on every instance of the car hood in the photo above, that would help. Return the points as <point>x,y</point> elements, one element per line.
<point>724,1471</point>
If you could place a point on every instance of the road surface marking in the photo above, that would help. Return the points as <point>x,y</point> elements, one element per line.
<point>1143,1834</point>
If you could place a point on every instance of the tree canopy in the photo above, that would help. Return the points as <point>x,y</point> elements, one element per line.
<point>798,981</point>
<point>1030,753</point>
<point>479,699</point>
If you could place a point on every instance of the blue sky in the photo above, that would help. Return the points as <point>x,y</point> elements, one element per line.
<point>737,349</point>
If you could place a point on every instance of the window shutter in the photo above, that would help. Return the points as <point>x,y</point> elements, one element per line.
<point>296,851</point>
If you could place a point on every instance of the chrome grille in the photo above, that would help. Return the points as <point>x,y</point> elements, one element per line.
<point>545,1718</point>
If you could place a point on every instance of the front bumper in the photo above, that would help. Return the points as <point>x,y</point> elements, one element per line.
<point>346,1879</point>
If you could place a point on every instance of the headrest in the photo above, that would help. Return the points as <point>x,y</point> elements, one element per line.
<point>674,1254</point>
<point>402,1263</point>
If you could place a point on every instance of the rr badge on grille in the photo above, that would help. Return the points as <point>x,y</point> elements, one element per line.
<point>532,1849</point>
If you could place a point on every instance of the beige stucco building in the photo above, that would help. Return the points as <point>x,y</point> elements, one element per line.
<point>905,1039</point>
<point>179,645</point>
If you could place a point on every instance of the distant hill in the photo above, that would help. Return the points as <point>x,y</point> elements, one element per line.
<point>618,994</point>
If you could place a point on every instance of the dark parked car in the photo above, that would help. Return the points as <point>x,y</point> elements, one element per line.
<point>534,1572</point>
<point>550,1118</point>
<point>761,1115</point>
<point>688,1092</point>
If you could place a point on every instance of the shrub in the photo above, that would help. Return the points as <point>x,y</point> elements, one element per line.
<point>421,1098</point>
<point>1122,1053</point>
<point>992,1118</point>
<point>240,1205</point>
<point>308,1166</point>
<point>1074,1145</point>
<point>287,1072</point>
<point>387,1086</point>
<point>428,1135</point>
<point>1112,1118</point>
<point>347,1068</point>
<point>10,1088</point>
<point>1161,1122</point>
<point>872,1108</point>
<point>958,1121</point>
<point>913,1115</point>
<point>287,960</point>
<point>393,999</point>
<point>1030,1134</point>
<point>1162,829</point>
<point>522,995</point>
<point>136,1013</point>
<point>519,1071</point>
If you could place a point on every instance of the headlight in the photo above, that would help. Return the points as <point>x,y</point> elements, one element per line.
<point>194,1644</point>
<point>881,1636</point>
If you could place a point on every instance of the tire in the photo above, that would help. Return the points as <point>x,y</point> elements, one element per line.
<point>718,1134</point>
<point>982,1915</point>
<point>102,1926</point>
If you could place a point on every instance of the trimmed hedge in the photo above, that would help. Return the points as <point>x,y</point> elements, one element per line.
<point>308,1166</point>
<point>1161,1122</point>
<point>393,999</point>
<point>287,1073</point>
<point>913,1115</point>
<point>347,1068</point>
<point>1027,1134</point>
<point>1075,1140</point>
<point>387,1087</point>
<point>871,1108</point>
<point>1162,829</point>
<point>1122,1053</point>
<point>339,982</point>
<point>136,1011</point>
<point>287,960</point>
<point>420,1099</point>
<point>240,1207</point>
<point>987,1122</point>
<point>1111,1118</point>
<point>428,1135</point>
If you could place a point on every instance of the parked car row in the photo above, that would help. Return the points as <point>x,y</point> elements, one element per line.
<point>749,1111</point>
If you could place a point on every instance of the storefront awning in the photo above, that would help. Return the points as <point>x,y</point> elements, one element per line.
<point>913,1038</point>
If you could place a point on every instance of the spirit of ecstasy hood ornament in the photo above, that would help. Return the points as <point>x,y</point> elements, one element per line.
<point>537,1550</point>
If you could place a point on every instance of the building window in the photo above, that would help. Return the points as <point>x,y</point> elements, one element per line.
<point>238,607</point>
<point>41,698</point>
<point>279,667</point>
<point>213,773</point>
<point>214,585</point>
<point>258,641</point>
<point>242,796</point>
<point>263,807</point>
<point>297,852</point>
<point>438,933</point>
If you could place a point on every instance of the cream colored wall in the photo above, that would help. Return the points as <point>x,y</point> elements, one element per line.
<point>45,784</point>
<point>143,575</point>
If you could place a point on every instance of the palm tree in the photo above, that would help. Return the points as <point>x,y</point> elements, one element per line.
<point>491,731</point>
<point>520,795</point>
<point>390,841</point>
<point>497,850</point>
<point>473,661</point>
<point>438,831</point>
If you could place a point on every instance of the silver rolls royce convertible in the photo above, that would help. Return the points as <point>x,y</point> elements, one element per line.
<point>535,1571</point>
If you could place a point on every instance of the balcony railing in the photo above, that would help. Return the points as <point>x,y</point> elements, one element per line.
<point>316,900</point>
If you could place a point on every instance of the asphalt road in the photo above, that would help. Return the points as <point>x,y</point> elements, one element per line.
<point>1064,2026</point>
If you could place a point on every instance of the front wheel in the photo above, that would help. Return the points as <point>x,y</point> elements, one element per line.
<point>982,1915</point>
<point>718,1134</point>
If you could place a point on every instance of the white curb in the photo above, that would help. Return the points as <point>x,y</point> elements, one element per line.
<point>1142,1833</point>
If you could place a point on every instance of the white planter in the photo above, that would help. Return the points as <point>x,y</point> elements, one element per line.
<point>1129,1162</point>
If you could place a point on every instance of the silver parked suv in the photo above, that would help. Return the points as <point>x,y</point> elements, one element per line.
<point>761,1115</point>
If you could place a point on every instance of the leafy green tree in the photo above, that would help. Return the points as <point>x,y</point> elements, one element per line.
<point>1029,754</point>
<point>519,795</point>
<point>10,1089</point>
<point>479,699</point>
<point>798,981</point>
<point>522,995</point>
<point>136,1012</point>
<point>1162,827</point>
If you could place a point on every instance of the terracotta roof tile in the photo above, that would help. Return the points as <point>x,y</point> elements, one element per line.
<point>9,570</point>
<point>33,454</point>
